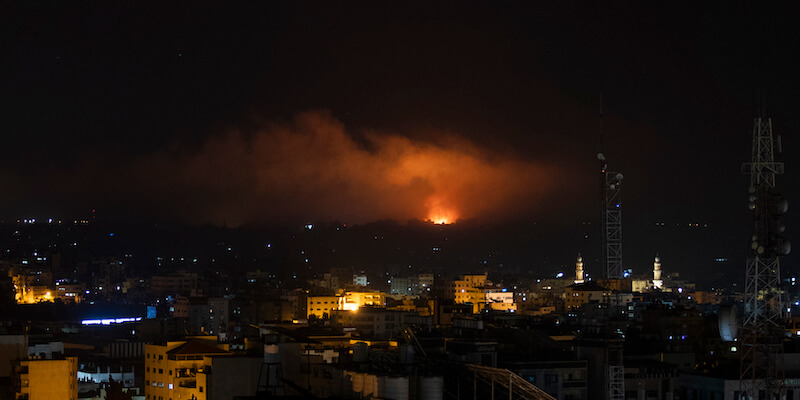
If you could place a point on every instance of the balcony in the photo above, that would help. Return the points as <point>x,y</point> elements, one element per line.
<point>185,373</point>
<point>191,384</point>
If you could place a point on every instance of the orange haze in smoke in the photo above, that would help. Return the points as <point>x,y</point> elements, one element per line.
<point>440,213</point>
<point>312,169</point>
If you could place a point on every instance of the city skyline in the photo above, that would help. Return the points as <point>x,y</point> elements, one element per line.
<point>292,113</point>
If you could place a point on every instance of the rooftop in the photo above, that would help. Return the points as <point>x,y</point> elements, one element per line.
<point>197,346</point>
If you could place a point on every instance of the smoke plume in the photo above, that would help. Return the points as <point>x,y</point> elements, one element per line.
<point>310,169</point>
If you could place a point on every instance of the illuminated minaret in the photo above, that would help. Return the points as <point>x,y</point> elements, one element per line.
<point>579,270</point>
<point>657,282</point>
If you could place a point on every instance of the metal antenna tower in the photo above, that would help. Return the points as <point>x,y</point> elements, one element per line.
<point>616,369</point>
<point>611,226</point>
<point>761,369</point>
<point>610,187</point>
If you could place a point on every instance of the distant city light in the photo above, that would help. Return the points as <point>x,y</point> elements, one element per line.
<point>109,321</point>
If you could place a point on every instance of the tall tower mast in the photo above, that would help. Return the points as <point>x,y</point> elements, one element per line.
<point>610,188</point>
<point>761,367</point>
<point>611,235</point>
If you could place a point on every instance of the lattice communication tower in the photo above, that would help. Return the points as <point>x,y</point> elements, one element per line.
<point>761,334</point>
<point>611,186</point>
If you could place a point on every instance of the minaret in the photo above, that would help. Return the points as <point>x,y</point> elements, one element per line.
<point>579,270</point>
<point>657,282</point>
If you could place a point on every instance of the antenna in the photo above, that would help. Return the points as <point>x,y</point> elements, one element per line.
<point>602,134</point>
<point>761,369</point>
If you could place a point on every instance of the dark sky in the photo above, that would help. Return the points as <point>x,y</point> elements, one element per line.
<point>301,111</point>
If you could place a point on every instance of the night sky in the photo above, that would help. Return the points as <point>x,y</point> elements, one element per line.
<point>292,112</point>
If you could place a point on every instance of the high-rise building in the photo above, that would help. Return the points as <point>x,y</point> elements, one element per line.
<point>182,370</point>
<point>46,379</point>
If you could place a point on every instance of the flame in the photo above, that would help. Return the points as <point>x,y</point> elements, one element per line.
<point>441,214</point>
<point>440,220</point>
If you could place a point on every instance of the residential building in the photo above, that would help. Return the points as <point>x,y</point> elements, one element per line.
<point>43,379</point>
<point>183,370</point>
<point>321,306</point>
<point>183,283</point>
<point>355,300</point>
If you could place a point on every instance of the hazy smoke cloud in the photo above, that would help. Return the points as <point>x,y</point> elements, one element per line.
<point>312,170</point>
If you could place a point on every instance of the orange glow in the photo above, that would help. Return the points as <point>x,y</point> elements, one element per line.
<point>442,217</point>
<point>441,214</point>
<point>26,294</point>
<point>279,172</point>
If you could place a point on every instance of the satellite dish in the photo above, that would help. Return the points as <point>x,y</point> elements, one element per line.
<point>601,157</point>
<point>785,248</point>
<point>619,176</point>
<point>783,206</point>
<point>728,323</point>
